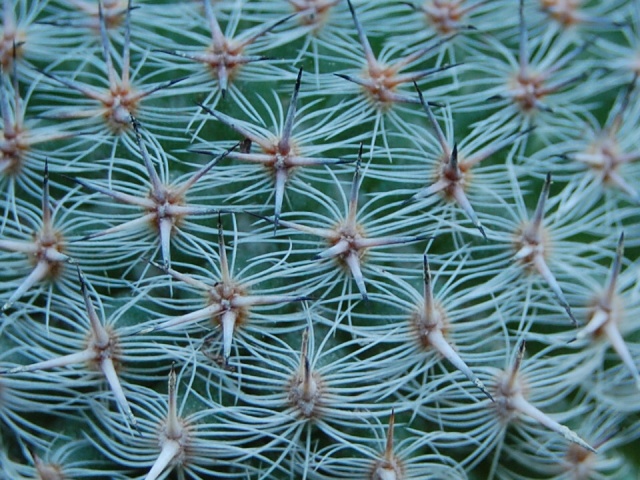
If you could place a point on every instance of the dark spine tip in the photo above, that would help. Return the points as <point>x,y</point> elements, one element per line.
<point>482,232</point>
<point>81,278</point>
<point>574,322</point>
<point>205,108</point>
<point>426,272</point>
<point>353,12</point>
<point>135,124</point>
<point>298,79</point>
<point>410,5</point>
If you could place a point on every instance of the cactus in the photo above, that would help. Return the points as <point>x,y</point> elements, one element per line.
<point>319,239</point>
